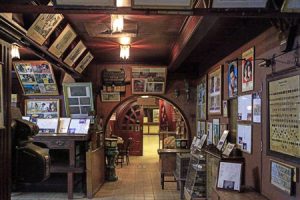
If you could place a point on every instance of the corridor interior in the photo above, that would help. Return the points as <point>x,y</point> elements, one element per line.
<point>140,180</point>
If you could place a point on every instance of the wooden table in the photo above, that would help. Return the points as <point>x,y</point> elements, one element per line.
<point>167,162</point>
<point>68,142</point>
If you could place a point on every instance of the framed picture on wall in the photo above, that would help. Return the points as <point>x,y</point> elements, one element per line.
<point>215,91</point>
<point>209,131</point>
<point>244,137</point>
<point>245,108</point>
<point>225,108</point>
<point>1,98</point>
<point>248,70</point>
<point>110,96</point>
<point>216,131</point>
<point>62,42</point>
<point>232,77</point>
<point>229,175</point>
<point>43,26</point>
<point>78,99</point>
<point>84,62</point>
<point>36,77</point>
<point>75,54</point>
<point>41,108</point>
<point>201,99</point>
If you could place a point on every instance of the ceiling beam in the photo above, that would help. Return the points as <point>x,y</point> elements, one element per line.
<point>258,13</point>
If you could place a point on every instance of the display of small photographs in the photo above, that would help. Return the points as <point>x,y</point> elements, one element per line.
<point>215,91</point>
<point>41,108</point>
<point>248,70</point>
<point>36,77</point>
<point>110,96</point>
<point>149,80</point>
<point>232,79</point>
<point>245,108</point>
<point>244,137</point>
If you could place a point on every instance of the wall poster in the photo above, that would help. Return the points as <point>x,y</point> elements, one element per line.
<point>230,175</point>
<point>43,26</point>
<point>248,70</point>
<point>232,79</point>
<point>256,107</point>
<point>201,99</point>
<point>245,107</point>
<point>41,108</point>
<point>244,137</point>
<point>1,98</point>
<point>215,91</point>
<point>216,131</point>
<point>150,80</point>
<point>36,77</point>
<point>284,114</point>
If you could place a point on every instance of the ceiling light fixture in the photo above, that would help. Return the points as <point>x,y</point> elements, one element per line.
<point>15,53</point>
<point>124,51</point>
<point>125,40</point>
<point>117,23</point>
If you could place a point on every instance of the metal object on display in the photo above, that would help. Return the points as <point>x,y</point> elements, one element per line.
<point>111,153</point>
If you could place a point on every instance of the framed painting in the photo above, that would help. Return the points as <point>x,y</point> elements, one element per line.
<point>1,98</point>
<point>84,62</point>
<point>232,77</point>
<point>283,176</point>
<point>283,134</point>
<point>63,41</point>
<point>36,77</point>
<point>244,137</point>
<point>75,54</point>
<point>215,91</point>
<point>148,80</point>
<point>201,99</point>
<point>78,99</point>
<point>248,70</point>
<point>162,4</point>
<point>43,26</point>
<point>110,96</point>
<point>42,108</point>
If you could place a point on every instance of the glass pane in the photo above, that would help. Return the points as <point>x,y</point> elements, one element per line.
<point>85,109</point>
<point>78,91</point>
<point>74,110</point>
<point>73,101</point>
<point>85,101</point>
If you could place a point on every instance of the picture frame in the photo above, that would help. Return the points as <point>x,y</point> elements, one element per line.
<point>216,131</point>
<point>232,77</point>
<point>209,131</point>
<point>201,99</point>
<point>228,149</point>
<point>79,126</point>
<point>229,175</point>
<point>163,4</point>
<point>225,108</point>
<point>222,140</point>
<point>292,6</point>
<point>63,41</point>
<point>75,54</point>
<point>36,77</point>
<point>1,98</point>
<point>256,110</point>
<point>283,176</point>
<point>42,108</point>
<point>78,4</point>
<point>245,108</point>
<point>201,142</point>
<point>64,123</point>
<point>148,80</point>
<point>248,72</point>
<point>110,96</point>
<point>239,4</point>
<point>215,91</point>
<point>43,26</point>
<point>78,98</point>
<point>244,137</point>
<point>84,62</point>
<point>283,92</point>
<point>49,126</point>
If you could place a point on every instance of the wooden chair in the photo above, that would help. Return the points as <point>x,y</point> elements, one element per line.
<point>124,152</point>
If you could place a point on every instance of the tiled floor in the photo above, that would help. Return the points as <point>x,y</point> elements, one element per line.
<point>140,180</point>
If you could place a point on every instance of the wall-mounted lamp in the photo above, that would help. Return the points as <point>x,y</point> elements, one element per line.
<point>117,23</point>
<point>124,51</point>
<point>15,53</point>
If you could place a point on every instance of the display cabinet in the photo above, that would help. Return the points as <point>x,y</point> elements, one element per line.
<point>195,185</point>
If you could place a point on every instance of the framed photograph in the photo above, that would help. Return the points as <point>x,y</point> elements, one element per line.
<point>193,143</point>
<point>282,176</point>
<point>43,26</point>
<point>216,131</point>
<point>244,137</point>
<point>225,108</point>
<point>245,108</point>
<point>84,62</point>
<point>85,4</point>
<point>201,99</point>
<point>291,6</point>
<point>36,77</point>
<point>199,144</point>
<point>64,125</point>
<point>148,80</point>
<point>1,98</point>
<point>256,107</point>
<point>232,77</point>
<point>229,175</point>
<point>248,70</point>
<point>47,125</point>
<point>75,54</point>
<point>228,149</point>
<point>63,41</point>
<point>209,131</point>
<point>79,126</point>
<point>162,4</point>
<point>215,91</point>
<point>239,4</point>
<point>110,96</point>
<point>283,133</point>
<point>222,140</point>
<point>41,108</point>
<point>78,99</point>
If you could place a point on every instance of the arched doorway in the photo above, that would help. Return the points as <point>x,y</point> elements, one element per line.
<point>138,116</point>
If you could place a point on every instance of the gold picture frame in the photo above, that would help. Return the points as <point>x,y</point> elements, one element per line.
<point>43,26</point>
<point>84,62</point>
<point>63,41</point>
<point>36,77</point>
<point>75,53</point>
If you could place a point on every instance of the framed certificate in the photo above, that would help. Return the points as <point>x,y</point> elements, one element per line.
<point>43,26</point>
<point>63,41</point>
<point>75,53</point>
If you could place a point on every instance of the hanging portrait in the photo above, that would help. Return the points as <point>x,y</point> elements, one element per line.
<point>215,91</point>
<point>201,99</point>
<point>232,79</point>
<point>248,70</point>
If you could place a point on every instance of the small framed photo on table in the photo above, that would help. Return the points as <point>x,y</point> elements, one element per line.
<point>230,175</point>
